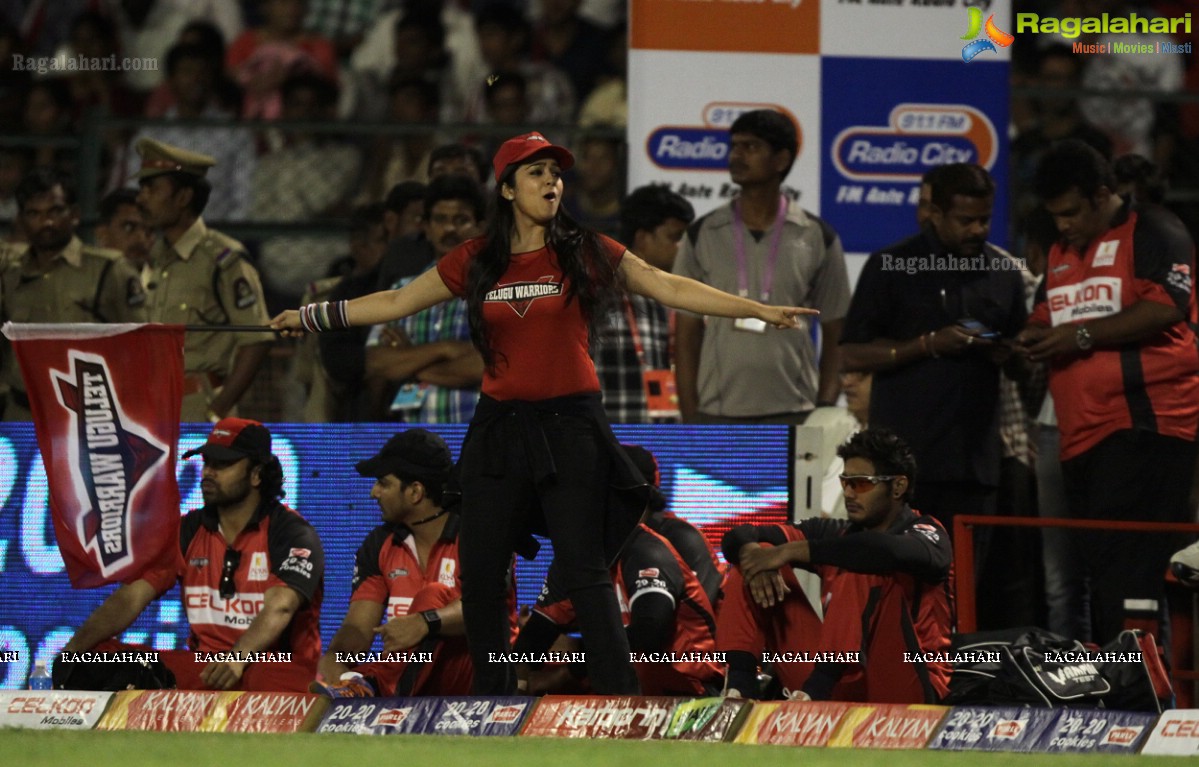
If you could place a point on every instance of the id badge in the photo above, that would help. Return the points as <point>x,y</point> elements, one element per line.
<point>409,398</point>
<point>661,393</point>
<point>750,325</point>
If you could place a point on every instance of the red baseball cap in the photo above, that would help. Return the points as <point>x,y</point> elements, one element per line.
<point>233,439</point>
<point>520,148</point>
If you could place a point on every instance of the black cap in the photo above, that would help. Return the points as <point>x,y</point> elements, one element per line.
<point>409,454</point>
<point>232,439</point>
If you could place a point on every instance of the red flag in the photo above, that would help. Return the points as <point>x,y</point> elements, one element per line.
<point>105,402</point>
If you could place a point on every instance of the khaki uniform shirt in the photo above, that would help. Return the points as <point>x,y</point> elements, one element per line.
<point>82,284</point>
<point>207,279</point>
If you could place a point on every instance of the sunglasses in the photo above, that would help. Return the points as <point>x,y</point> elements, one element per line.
<point>861,483</point>
<point>232,559</point>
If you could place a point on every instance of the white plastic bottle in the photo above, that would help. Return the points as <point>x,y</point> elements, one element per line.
<point>40,678</point>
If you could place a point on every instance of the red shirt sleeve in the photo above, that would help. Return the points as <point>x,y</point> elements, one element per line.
<point>612,249</point>
<point>455,265</point>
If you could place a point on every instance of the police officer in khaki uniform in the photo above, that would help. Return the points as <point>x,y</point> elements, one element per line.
<point>200,276</point>
<point>56,278</point>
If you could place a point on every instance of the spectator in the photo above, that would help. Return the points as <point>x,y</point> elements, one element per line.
<point>42,27</point>
<point>192,81</point>
<point>886,584</point>
<point>201,277</point>
<point>122,228</point>
<point>49,115</point>
<point>608,102</point>
<point>307,177</point>
<point>262,59</point>
<point>936,381</point>
<point>1140,180</point>
<point>343,22</point>
<point>458,158</point>
<point>94,37</point>
<point>205,35</point>
<point>570,43</point>
<point>412,102</point>
<point>15,162</point>
<point>742,371</point>
<point>633,348</point>
<point>150,28</point>
<point>407,253</point>
<point>430,39</point>
<point>504,41</point>
<point>426,363</point>
<point>600,184</point>
<point>242,528</point>
<point>14,83</point>
<point>58,278</point>
<point>1124,374</point>
<point>327,400</point>
<point>407,576</point>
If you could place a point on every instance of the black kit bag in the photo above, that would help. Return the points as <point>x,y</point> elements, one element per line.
<point>112,676</point>
<point>1138,675</point>
<point>1024,666</point>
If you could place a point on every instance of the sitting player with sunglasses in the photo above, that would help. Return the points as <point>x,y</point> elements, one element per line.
<point>882,613</point>
<point>251,572</point>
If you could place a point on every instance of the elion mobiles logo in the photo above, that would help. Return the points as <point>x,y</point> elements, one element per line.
<point>995,36</point>
<point>111,458</point>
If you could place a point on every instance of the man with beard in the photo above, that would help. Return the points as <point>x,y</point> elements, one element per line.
<point>57,278</point>
<point>931,318</point>
<point>407,577</point>
<point>123,228</point>
<point>430,355</point>
<point>251,572</point>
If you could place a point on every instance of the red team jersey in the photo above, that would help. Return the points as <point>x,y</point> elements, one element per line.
<point>387,569</point>
<point>650,565</point>
<point>277,548</point>
<point>540,342</point>
<point>1152,385</point>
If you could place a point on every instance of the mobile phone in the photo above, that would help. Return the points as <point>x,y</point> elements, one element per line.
<point>977,328</point>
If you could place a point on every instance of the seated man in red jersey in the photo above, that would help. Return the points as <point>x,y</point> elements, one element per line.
<point>251,572</point>
<point>884,608</point>
<point>407,577</point>
<point>669,620</point>
<point>689,542</point>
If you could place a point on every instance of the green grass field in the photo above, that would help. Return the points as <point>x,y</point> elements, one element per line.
<point>33,748</point>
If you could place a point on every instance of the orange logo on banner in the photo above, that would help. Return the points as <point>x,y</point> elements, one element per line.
<point>791,26</point>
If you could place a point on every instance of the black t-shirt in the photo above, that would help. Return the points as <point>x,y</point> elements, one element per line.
<point>946,409</point>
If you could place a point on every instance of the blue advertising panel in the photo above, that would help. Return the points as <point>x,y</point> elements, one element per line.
<point>980,728</point>
<point>1082,730</point>
<point>379,716</point>
<point>713,476</point>
<point>478,716</point>
<point>894,120</point>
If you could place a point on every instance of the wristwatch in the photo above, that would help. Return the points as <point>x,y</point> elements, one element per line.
<point>1083,338</point>
<point>433,620</point>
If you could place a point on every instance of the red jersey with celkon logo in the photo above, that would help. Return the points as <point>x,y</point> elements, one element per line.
<point>540,341</point>
<point>1152,385</point>
<point>278,547</point>
<point>387,569</point>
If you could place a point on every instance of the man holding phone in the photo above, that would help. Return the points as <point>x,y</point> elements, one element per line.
<point>931,318</point>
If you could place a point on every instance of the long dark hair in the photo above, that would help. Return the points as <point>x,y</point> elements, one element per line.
<point>590,276</point>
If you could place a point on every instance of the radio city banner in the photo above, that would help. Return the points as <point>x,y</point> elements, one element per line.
<point>105,402</point>
<point>880,92</point>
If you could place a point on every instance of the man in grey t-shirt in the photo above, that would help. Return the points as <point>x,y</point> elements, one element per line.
<point>762,246</point>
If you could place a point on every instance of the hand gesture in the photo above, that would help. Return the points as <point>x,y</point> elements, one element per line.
<point>404,632</point>
<point>784,317</point>
<point>287,323</point>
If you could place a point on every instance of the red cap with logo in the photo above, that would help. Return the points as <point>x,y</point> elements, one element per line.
<point>518,149</point>
<point>233,439</point>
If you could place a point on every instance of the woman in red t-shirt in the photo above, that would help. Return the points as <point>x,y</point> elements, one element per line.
<point>540,456</point>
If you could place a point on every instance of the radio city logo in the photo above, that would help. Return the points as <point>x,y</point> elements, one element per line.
<point>995,36</point>
<point>916,138</point>
<point>111,458</point>
<point>704,147</point>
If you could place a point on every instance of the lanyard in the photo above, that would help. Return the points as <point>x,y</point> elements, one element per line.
<point>631,318</point>
<point>771,259</point>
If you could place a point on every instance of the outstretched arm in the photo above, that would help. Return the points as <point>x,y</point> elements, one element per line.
<point>384,305</point>
<point>689,295</point>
